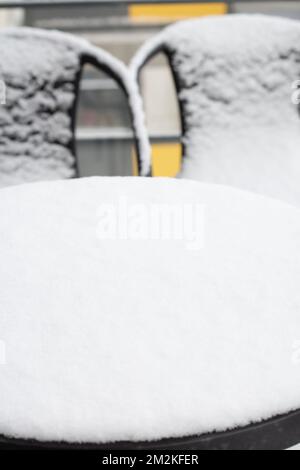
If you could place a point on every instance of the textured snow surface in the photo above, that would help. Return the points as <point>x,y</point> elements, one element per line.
<point>117,340</point>
<point>40,71</point>
<point>35,132</point>
<point>235,75</point>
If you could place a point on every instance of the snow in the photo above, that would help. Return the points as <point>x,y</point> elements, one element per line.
<point>110,340</point>
<point>40,69</point>
<point>236,75</point>
<point>295,447</point>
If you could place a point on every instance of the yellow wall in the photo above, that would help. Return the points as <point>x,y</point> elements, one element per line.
<point>166,159</point>
<point>171,12</point>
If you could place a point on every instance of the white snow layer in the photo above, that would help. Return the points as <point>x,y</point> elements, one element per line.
<point>40,70</point>
<point>235,75</point>
<point>131,340</point>
<point>297,447</point>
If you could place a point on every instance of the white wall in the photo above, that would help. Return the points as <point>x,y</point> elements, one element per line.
<point>11,17</point>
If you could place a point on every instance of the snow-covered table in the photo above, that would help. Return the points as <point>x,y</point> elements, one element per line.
<point>108,334</point>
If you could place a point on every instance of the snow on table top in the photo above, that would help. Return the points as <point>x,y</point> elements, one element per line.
<point>134,340</point>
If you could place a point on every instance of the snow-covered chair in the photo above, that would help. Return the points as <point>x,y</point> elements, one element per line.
<point>40,74</point>
<point>118,332</point>
<point>235,78</point>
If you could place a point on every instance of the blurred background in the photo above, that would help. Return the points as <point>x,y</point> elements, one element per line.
<point>104,138</point>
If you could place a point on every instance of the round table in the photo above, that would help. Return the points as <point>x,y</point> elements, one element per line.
<point>148,313</point>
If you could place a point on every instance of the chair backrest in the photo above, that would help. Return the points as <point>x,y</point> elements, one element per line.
<point>40,74</point>
<point>234,76</point>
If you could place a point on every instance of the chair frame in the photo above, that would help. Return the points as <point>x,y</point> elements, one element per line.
<point>137,66</point>
<point>89,59</point>
<point>103,61</point>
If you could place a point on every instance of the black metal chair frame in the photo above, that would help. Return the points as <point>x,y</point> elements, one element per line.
<point>162,48</point>
<point>91,55</point>
<point>88,59</point>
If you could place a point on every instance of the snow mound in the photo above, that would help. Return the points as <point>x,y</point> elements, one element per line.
<point>109,340</point>
<point>235,77</point>
<point>40,70</point>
